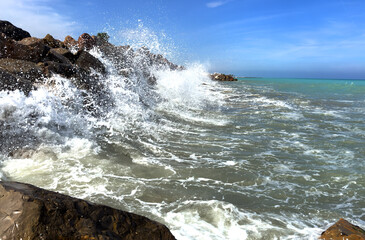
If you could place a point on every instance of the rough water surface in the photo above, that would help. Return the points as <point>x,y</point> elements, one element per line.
<point>253,159</point>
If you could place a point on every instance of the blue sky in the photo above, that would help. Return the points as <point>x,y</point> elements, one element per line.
<point>281,38</point>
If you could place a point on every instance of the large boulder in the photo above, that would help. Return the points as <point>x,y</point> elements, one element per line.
<point>21,69</point>
<point>66,53</point>
<point>29,49</point>
<point>86,61</point>
<point>86,42</point>
<point>343,230</point>
<point>70,42</point>
<point>33,48</point>
<point>51,42</point>
<point>13,32</point>
<point>28,212</point>
<point>56,55</point>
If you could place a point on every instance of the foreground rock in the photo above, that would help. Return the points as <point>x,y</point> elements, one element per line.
<point>343,230</point>
<point>28,212</point>
<point>222,77</point>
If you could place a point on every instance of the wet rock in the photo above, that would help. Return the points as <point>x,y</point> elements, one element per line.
<point>50,41</point>
<point>12,31</point>
<point>9,82</point>
<point>66,53</point>
<point>343,230</point>
<point>28,212</point>
<point>69,42</point>
<point>29,49</point>
<point>55,56</point>
<point>64,69</point>
<point>86,42</point>
<point>35,49</point>
<point>222,77</point>
<point>21,69</point>
<point>86,61</point>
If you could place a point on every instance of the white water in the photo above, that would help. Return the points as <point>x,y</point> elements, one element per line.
<point>211,161</point>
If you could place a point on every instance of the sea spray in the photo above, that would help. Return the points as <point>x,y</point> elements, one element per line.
<point>244,160</point>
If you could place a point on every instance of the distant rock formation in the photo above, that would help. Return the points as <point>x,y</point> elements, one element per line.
<point>222,77</point>
<point>28,212</point>
<point>343,230</point>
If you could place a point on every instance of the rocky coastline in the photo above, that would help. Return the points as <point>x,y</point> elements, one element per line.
<point>28,212</point>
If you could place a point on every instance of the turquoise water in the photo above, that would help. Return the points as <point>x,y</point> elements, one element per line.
<point>258,158</point>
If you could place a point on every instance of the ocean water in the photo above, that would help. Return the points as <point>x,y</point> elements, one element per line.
<point>254,159</point>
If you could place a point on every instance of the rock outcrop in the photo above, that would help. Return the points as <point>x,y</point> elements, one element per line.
<point>28,212</point>
<point>343,230</point>
<point>222,77</point>
<point>13,32</point>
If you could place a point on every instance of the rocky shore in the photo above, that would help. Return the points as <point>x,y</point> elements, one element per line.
<point>26,63</point>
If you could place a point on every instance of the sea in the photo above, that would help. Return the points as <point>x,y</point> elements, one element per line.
<point>259,158</point>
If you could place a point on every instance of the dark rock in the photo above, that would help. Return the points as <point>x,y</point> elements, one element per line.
<point>343,230</point>
<point>69,42</point>
<point>54,55</point>
<point>35,49</point>
<point>28,212</point>
<point>87,62</point>
<point>9,82</point>
<point>7,46</point>
<point>222,77</point>
<point>65,69</point>
<point>86,42</point>
<point>13,32</point>
<point>21,69</point>
<point>29,49</point>
<point>51,42</point>
<point>66,53</point>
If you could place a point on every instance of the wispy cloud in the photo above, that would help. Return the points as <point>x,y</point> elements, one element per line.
<point>217,3</point>
<point>37,17</point>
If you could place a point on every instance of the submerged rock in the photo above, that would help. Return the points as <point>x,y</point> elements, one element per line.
<point>28,212</point>
<point>13,32</point>
<point>343,230</point>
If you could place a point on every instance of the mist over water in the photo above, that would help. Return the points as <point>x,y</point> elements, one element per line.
<point>254,159</point>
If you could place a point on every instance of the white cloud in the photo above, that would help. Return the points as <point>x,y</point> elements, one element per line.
<point>217,3</point>
<point>37,17</point>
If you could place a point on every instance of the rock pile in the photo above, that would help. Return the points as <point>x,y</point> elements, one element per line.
<point>26,61</point>
<point>28,212</point>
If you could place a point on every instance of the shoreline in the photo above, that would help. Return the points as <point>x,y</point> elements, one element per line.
<point>27,60</point>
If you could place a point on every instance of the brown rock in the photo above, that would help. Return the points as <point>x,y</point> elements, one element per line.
<point>12,31</point>
<point>222,77</point>
<point>55,56</point>
<point>343,230</point>
<point>21,69</point>
<point>66,53</point>
<point>28,212</point>
<point>29,49</point>
<point>85,41</point>
<point>51,42</point>
<point>70,42</point>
